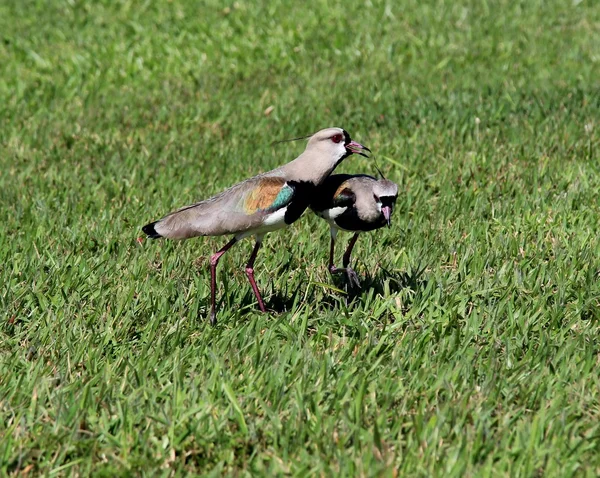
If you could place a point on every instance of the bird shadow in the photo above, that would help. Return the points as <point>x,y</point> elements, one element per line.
<point>279,303</point>
<point>412,279</point>
<point>384,282</point>
<point>275,303</point>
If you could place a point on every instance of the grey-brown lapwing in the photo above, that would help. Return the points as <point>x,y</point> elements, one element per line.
<point>261,204</point>
<point>354,203</point>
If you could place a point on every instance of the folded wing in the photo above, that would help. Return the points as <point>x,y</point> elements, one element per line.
<point>240,208</point>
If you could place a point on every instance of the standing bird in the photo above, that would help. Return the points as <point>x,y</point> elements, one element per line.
<point>354,203</point>
<point>258,205</point>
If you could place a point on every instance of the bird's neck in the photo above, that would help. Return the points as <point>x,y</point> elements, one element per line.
<point>307,168</point>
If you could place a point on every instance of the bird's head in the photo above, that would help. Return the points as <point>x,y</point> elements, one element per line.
<point>336,144</point>
<point>385,193</point>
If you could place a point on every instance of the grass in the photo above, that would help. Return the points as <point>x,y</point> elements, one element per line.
<point>473,348</point>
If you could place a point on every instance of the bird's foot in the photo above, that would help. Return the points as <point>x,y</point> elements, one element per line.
<point>350,274</point>
<point>352,277</point>
<point>213,318</point>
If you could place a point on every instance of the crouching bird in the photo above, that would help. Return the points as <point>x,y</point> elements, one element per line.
<point>354,203</point>
<point>258,205</point>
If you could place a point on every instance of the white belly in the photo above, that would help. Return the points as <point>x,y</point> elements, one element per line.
<point>277,219</point>
<point>271,223</point>
<point>331,214</point>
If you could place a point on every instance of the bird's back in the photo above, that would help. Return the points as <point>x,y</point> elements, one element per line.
<point>329,193</point>
<point>249,206</point>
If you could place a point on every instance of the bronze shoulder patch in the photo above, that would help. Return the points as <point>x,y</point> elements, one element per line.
<point>341,188</point>
<point>263,195</point>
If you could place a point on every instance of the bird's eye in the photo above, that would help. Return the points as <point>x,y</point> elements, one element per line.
<point>336,138</point>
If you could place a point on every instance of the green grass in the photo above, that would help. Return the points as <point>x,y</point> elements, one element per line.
<point>473,349</point>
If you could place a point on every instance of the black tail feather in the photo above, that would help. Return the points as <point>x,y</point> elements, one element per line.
<point>150,231</point>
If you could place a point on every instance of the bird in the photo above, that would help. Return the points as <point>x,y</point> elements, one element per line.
<point>261,204</point>
<point>355,203</point>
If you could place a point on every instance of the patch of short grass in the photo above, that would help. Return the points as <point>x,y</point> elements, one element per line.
<point>472,349</point>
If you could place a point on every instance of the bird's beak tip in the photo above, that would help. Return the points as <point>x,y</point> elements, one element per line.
<point>356,148</point>
<point>387,214</point>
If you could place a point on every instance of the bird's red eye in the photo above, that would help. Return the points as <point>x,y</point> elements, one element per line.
<point>336,138</point>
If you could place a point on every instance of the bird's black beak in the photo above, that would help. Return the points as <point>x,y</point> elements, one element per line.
<point>387,214</point>
<point>356,148</point>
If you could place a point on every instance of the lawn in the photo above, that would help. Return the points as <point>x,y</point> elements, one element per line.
<point>473,348</point>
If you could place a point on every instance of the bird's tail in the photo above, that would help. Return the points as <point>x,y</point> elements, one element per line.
<point>182,224</point>
<point>205,218</point>
<point>151,231</point>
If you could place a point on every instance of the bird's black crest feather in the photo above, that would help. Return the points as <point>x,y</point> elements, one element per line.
<point>347,138</point>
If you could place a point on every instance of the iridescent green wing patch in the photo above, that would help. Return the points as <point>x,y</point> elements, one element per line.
<point>268,195</point>
<point>283,198</point>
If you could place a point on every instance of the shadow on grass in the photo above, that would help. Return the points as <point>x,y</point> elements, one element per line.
<point>383,283</point>
<point>275,303</point>
<point>397,281</point>
<point>279,303</point>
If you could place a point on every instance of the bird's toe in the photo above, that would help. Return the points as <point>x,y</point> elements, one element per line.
<point>353,277</point>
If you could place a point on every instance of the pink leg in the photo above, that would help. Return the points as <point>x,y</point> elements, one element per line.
<point>214,260</point>
<point>250,274</point>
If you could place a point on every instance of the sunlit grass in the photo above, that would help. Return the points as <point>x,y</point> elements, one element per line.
<point>471,351</point>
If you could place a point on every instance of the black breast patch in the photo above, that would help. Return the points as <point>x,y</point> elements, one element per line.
<point>350,221</point>
<point>303,193</point>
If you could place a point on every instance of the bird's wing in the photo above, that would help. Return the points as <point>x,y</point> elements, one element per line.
<point>266,195</point>
<point>241,208</point>
<point>343,196</point>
